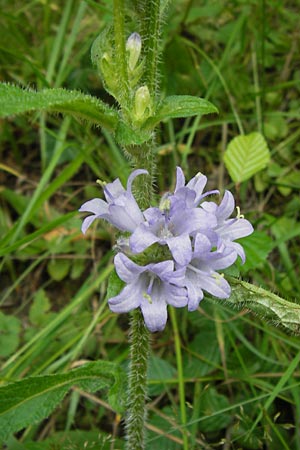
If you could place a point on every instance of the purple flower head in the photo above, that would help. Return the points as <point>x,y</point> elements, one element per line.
<point>151,288</point>
<point>120,207</point>
<point>227,230</point>
<point>201,272</point>
<point>192,193</point>
<point>171,225</point>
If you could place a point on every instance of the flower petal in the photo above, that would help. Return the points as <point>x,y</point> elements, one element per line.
<point>133,175</point>
<point>215,284</point>
<point>195,295</point>
<point>176,296</point>
<point>226,207</point>
<point>126,269</point>
<point>113,190</point>
<point>154,312</point>
<point>180,179</point>
<point>87,223</point>
<point>127,300</point>
<point>237,228</point>
<point>95,206</point>
<point>142,238</point>
<point>181,248</point>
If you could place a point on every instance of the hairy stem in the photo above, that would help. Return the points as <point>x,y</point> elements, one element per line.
<point>137,391</point>
<point>149,12</point>
<point>120,48</point>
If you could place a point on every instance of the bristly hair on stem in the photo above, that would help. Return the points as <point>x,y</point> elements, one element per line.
<point>137,390</point>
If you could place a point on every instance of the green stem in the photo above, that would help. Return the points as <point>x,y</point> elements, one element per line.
<point>180,378</point>
<point>143,158</point>
<point>120,48</point>
<point>151,35</point>
<point>139,334</point>
<point>137,391</point>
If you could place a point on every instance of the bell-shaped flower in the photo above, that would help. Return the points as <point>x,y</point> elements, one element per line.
<point>151,288</point>
<point>201,272</point>
<point>192,192</point>
<point>120,207</point>
<point>171,225</point>
<point>227,230</point>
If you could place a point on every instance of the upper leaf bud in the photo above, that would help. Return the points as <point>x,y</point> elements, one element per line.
<point>133,46</point>
<point>142,104</point>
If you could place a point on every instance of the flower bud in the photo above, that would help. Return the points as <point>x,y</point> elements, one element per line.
<point>142,102</point>
<point>133,46</point>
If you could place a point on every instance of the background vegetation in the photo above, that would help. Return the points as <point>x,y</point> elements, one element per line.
<point>242,390</point>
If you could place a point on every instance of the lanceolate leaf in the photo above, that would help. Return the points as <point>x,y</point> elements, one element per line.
<point>181,106</point>
<point>265,304</point>
<point>33,399</point>
<point>16,100</point>
<point>245,156</point>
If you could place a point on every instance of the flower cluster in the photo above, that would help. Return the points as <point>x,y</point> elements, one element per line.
<point>173,252</point>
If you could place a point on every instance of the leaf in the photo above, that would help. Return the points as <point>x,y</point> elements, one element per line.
<point>159,370</point>
<point>33,399</point>
<point>265,304</point>
<point>16,100</point>
<point>257,248</point>
<point>72,440</point>
<point>10,328</point>
<point>177,106</point>
<point>211,403</point>
<point>115,285</point>
<point>200,359</point>
<point>125,135</point>
<point>58,269</point>
<point>245,156</point>
<point>39,308</point>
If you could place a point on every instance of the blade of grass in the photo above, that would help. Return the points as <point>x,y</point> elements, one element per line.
<point>181,382</point>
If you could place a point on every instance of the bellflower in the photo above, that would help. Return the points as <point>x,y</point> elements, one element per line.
<point>192,192</point>
<point>227,230</point>
<point>151,288</point>
<point>120,207</point>
<point>201,272</point>
<point>197,240</point>
<point>171,225</point>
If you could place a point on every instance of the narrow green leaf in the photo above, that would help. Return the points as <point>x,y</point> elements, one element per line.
<point>33,399</point>
<point>266,305</point>
<point>177,106</point>
<point>245,156</point>
<point>16,100</point>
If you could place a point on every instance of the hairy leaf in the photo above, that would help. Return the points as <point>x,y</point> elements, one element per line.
<point>181,106</point>
<point>266,305</point>
<point>33,399</point>
<point>16,100</point>
<point>245,156</point>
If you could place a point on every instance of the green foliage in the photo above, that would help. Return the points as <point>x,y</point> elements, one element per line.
<point>181,106</point>
<point>33,399</point>
<point>9,336</point>
<point>265,304</point>
<point>241,56</point>
<point>39,309</point>
<point>245,156</point>
<point>15,100</point>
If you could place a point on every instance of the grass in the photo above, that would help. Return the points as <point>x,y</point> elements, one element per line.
<point>218,378</point>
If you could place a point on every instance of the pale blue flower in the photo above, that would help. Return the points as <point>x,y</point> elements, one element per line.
<point>227,230</point>
<point>192,192</point>
<point>151,288</point>
<point>201,272</point>
<point>200,236</point>
<point>171,225</point>
<point>120,207</point>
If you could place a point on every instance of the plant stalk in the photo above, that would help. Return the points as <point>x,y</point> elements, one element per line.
<point>137,391</point>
